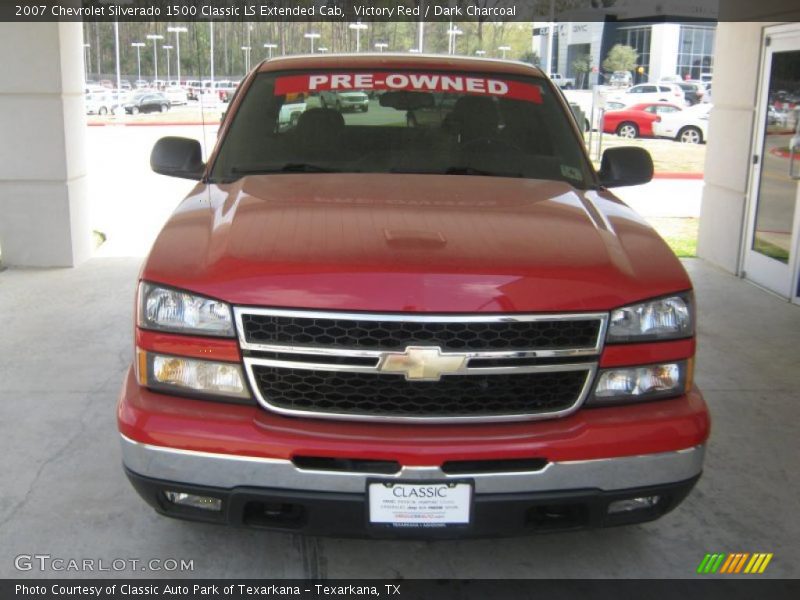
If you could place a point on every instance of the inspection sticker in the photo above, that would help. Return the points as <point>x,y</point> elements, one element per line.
<point>433,504</point>
<point>413,82</point>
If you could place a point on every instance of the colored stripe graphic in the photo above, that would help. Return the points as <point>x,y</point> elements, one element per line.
<point>734,563</point>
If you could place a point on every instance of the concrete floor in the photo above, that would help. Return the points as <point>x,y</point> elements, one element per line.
<point>65,340</point>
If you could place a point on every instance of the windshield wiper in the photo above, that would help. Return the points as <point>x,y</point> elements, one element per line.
<point>286,168</point>
<point>474,171</point>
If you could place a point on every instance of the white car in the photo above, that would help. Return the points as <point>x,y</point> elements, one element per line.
<point>290,113</point>
<point>689,126</point>
<point>651,92</point>
<point>176,95</point>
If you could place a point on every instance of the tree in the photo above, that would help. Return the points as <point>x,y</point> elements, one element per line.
<point>531,57</point>
<point>582,65</point>
<point>621,58</point>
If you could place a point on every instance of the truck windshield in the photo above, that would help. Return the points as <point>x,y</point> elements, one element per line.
<point>401,122</point>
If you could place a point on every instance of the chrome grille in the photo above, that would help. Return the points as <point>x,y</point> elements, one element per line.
<point>424,368</point>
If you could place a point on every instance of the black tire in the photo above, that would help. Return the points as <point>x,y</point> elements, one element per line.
<point>628,130</point>
<point>135,110</point>
<point>690,135</point>
<point>163,108</point>
<point>365,108</point>
<point>102,111</point>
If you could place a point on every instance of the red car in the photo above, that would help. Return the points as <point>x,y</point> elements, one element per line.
<point>637,120</point>
<point>353,325</point>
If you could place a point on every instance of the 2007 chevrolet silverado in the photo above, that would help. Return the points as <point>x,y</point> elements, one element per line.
<point>431,318</point>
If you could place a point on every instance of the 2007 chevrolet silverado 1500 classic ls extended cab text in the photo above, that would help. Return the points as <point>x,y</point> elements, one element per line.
<point>430,319</point>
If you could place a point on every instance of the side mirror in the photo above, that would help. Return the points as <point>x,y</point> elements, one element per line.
<point>625,166</point>
<point>178,157</point>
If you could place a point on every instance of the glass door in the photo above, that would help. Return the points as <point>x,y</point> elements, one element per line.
<point>771,257</point>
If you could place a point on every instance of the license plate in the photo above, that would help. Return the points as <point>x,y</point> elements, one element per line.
<point>429,504</point>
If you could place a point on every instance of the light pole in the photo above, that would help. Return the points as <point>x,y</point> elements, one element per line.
<point>167,48</point>
<point>311,36</point>
<point>270,47</point>
<point>155,39</point>
<point>86,54</point>
<point>178,31</point>
<point>504,49</point>
<point>359,26</point>
<point>453,32</point>
<point>138,46</point>
<point>381,46</point>
<point>246,50</point>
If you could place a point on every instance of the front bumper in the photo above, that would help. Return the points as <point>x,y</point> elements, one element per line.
<point>344,514</point>
<point>248,458</point>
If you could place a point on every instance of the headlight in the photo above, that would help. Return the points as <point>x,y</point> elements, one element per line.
<point>176,373</point>
<point>631,384</point>
<point>165,309</point>
<point>662,319</point>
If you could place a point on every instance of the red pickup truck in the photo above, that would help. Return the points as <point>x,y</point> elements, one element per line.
<point>381,324</point>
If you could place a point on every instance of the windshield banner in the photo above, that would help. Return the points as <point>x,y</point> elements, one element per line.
<point>412,82</point>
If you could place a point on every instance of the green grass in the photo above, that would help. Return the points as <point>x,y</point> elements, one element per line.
<point>679,233</point>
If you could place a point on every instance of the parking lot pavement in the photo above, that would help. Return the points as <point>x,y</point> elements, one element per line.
<point>676,198</point>
<point>66,342</point>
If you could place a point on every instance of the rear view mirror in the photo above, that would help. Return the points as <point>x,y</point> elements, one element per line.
<point>178,157</point>
<point>625,166</point>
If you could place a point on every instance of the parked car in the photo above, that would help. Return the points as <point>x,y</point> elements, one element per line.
<point>348,318</point>
<point>651,92</point>
<point>689,126</point>
<point>290,113</point>
<point>140,83</point>
<point>225,89</point>
<point>637,120</point>
<point>98,102</point>
<point>147,101</point>
<point>345,100</point>
<point>193,87</point>
<point>566,83</point>
<point>620,79</point>
<point>176,95</point>
<point>692,92</point>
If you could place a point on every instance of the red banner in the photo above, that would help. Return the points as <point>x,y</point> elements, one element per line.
<point>412,82</point>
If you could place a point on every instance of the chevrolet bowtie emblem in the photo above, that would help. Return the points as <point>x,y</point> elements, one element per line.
<point>422,363</point>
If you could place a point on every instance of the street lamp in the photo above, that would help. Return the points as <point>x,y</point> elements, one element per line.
<point>381,46</point>
<point>86,61</point>
<point>167,48</point>
<point>246,50</point>
<point>178,31</point>
<point>155,39</point>
<point>271,47</point>
<point>504,49</point>
<point>358,27</point>
<point>138,46</point>
<point>311,36</point>
<point>453,32</point>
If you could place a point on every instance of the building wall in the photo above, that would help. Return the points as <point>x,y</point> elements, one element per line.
<point>737,62</point>
<point>44,207</point>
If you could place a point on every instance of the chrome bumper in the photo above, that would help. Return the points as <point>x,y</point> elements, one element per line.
<point>229,471</point>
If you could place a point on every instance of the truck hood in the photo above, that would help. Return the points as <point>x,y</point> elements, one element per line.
<point>412,243</point>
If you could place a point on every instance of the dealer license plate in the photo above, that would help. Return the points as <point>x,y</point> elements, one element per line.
<point>429,504</point>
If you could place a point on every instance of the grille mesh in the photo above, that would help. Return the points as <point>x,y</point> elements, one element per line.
<point>393,396</point>
<point>397,335</point>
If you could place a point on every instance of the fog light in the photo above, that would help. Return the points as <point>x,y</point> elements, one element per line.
<point>193,501</point>
<point>631,504</point>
